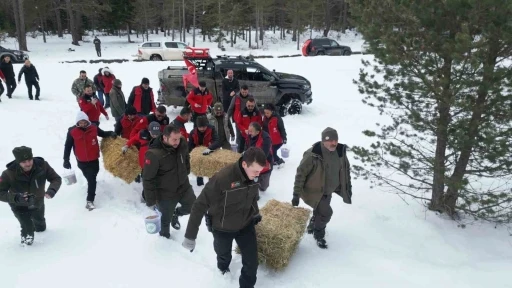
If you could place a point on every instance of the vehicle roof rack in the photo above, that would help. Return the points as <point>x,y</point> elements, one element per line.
<point>235,57</point>
<point>206,63</point>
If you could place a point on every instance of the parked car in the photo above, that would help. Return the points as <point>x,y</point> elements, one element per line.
<point>17,56</point>
<point>324,46</point>
<point>287,91</point>
<point>365,48</point>
<point>168,50</point>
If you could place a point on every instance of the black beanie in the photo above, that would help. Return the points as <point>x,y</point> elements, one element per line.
<point>202,121</point>
<point>130,110</point>
<point>22,153</point>
<point>145,81</point>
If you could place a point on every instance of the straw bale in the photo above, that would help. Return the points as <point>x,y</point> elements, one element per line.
<point>208,165</point>
<point>279,233</point>
<point>124,166</point>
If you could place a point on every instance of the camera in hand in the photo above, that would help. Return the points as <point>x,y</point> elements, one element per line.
<point>31,201</point>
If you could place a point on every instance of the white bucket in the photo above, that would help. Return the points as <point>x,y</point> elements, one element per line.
<point>69,177</point>
<point>153,222</point>
<point>234,147</point>
<point>285,152</point>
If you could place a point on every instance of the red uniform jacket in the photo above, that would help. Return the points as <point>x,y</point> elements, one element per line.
<point>274,126</point>
<point>124,126</point>
<point>108,82</point>
<point>180,123</point>
<point>92,111</point>
<point>144,123</point>
<point>247,118</point>
<point>141,140</point>
<point>84,142</point>
<point>202,98</point>
<point>262,141</point>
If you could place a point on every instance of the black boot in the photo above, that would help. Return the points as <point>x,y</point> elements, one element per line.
<point>320,238</point>
<point>224,271</point>
<point>175,223</point>
<point>311,225</point>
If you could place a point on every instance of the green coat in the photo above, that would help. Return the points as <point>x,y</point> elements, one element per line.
<point>117,102</point>
<point>310,177</point>
<point>14,180</point>
<point>79,85</point>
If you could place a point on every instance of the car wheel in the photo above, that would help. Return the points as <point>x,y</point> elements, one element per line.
<point>295,107</point>
<point>321,53</point>
<point>346,53</point>
<point>156,58</point>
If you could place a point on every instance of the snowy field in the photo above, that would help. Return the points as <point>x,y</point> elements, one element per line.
<point>379,241</point>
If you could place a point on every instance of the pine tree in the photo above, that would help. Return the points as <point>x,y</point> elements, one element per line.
<point>439,74</point>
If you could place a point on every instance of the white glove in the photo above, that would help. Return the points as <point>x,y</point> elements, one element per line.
<point>232,138</point>
<point>189,244</point>
<point>207,151</point>
<point>124,149</point>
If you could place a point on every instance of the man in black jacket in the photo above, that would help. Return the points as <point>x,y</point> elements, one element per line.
<point>10,77</point>
<point>165,178</point>
<point>31,78</point>
<point>22,185</point>
<point>230,87</point>
<point>97,45</point>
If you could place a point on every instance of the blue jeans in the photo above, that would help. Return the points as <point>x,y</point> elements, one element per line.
<point>100,96</point>
<point>107,100</point>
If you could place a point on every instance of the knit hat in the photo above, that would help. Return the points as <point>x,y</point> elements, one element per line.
<point>218,107</point>
<point>329,134</point>
<point>202,121</point>
<point>130,110</point>
<point>22,153</point>
<point>81,116</point>
<point>117,82</point>
<point>145,81</point>
<point>154,128</point>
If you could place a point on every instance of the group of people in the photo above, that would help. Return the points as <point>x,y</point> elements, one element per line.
<point>8,76</point>
<point>229,200</point>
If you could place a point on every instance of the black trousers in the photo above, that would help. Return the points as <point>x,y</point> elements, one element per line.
<point>322,213</point>
<point>226,102</point>
<point>98,52</point>
<point>168,207</point>
<point>90,171</point>
<point>246,240</point>
<point>11,86</point>
<point>240,140</point>
<point>30,220</point>
<point>29,88</point>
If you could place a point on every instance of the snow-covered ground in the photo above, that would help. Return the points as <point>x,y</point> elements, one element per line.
<point>379,241</point>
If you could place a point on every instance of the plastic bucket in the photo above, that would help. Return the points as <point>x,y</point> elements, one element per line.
<point>152,222</point>
<point>69,177</point>
<point>285,152</point>
<point>234,147</point>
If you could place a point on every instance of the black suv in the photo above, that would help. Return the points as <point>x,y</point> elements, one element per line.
<point>287,91</point>
<point>17,56</point>
<point>326,46</point>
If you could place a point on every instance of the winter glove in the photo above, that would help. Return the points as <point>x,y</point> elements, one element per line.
<point>232,139</point>
<point>208,221</point>
<point>112,134</point>
<point>256,219</point>
<point>21,198</point>
<point>50,193</point>
<point>207,151</point>
<point>189,244</point>
<point>67,165</point>
<point>295,200</point>
<point>137,179</point>
<point>124,149</point>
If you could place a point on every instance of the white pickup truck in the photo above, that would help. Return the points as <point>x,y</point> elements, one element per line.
<point>166,50</point>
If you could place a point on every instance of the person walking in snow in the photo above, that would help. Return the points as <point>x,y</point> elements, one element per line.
<point>220,120</point>
<point>180,120</point>
<point>79,85</point>
<point>165,178</point>
<point>97,83</point>
<point>126,123</point>
<point>141,141</point>
<point>31,78</point>
<point>117,100</point>
<point>274,126</point>
<point>10,78</point>
<point>199,99</point>
<point>23,186</point>
<point>107,81</point>
<point>324,168</point>
<point>82,138</point>
<point>238,103</point>
<point>249,114</point>
<point>203,135</point>
<point>2,78</point>
<point>91,105</point>
<point>97,45</point>
<point>230,87</point>
<point>233,218</point>
<point>256,137</point>
<point>142,98</point>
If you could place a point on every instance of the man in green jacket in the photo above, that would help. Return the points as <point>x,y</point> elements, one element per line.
<point>22,185</point>
<point>324,168</point>
<point>230,198</point>
<point>165,178</point>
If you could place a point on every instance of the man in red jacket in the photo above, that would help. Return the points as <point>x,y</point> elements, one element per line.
<point>126,123</point>
<point>203,135</point>
<point>159,116</point>
<point>91,106</point>
<point>199,99</point>
<point>248,115</point>
<point>83,139</point>
<point>182,119</point>
<point>107,81</point>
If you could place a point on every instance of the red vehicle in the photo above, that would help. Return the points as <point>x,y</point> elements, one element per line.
<point>193,52</point>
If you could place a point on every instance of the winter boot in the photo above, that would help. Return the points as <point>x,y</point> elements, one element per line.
<point>37,98</point>
<point>223,272</point>
<point>27,240</point>
<point>319,236</point>
<point>311,225</point>
<point>175,223</point>
<point>40,228</point>
<point>165,235</point>
<point>90,206</point>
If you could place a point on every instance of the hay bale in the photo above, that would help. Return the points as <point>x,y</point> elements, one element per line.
<point>279,233</point>
<point>208,165</point>
<point>124,166</point>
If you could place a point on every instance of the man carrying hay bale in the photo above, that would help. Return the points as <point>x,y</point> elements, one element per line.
<point>203,135</point>
<point>230,198</point>
<point>165,178</point>
<point>323,165</point>
<point>256,137</point>
<point>83,139</point>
